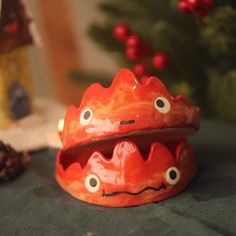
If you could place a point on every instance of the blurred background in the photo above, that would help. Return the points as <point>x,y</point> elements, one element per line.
<point>189,44</point>
<point>87,56</point>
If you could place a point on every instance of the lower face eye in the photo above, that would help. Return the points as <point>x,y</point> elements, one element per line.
<point>92,183</point>
<point>172,175</point>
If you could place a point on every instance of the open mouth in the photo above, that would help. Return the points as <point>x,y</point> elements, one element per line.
<point>142,139</point>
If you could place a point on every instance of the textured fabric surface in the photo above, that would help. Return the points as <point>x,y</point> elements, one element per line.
<point>33,204</point>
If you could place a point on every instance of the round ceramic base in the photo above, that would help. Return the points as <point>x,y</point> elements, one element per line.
<point>127,179</point>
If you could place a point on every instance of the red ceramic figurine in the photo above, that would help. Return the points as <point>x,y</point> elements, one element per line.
<point>125,145</point>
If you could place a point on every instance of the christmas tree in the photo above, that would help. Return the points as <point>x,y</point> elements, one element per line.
<point>201,46</point>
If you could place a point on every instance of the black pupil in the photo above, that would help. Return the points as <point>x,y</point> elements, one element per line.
<point>173,174</point>
<point>160,103</point>
<point>93,182</point>
<point>86,115</point>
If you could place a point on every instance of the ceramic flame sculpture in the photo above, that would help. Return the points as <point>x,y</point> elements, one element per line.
<point>125,145</point>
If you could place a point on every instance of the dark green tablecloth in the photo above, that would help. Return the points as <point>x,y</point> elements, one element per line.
<point>33,204</point>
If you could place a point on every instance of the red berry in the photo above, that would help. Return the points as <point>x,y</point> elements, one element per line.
<point>133,40</point>
<point>12,28</point>
<point>208,3</point>
<point>121,32</point>
<point>160,60</point>
<point>193,4</point>
<point>140,69</point>
<point>132,53</point>
<point>183,6</point>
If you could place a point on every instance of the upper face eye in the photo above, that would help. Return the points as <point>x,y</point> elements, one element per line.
<point>172,175</point>
<point>162,104</point>
<point>92,183</point>
<point>86,116</point>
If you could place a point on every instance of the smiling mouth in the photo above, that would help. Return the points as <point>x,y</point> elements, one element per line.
<point>142,139</point>
<point>105,194</point>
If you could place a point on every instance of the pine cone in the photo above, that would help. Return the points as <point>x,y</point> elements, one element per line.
<point>11,162</point>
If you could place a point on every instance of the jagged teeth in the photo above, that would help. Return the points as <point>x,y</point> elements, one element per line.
<point>126,154</point>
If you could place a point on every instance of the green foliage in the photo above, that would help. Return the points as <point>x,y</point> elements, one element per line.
<point>196,48</point>
<point>222,95</point>
<point>219,32</point>
<point>219,36</point>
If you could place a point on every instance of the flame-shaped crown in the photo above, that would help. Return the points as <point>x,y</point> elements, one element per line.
<point>102,110</point>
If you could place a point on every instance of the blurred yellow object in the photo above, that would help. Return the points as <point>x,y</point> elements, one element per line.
<point>14,71</point>
<point>61,125</point>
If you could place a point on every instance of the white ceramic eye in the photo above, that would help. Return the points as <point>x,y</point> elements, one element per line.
<point>162,104</point>
<point>172,175</point>
<point>86,116</point>
<point>92,183</point>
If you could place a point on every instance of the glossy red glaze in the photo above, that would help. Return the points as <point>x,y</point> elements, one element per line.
<point>125,144</point>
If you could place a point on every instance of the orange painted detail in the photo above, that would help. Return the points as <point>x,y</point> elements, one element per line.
<point>125,145</point>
